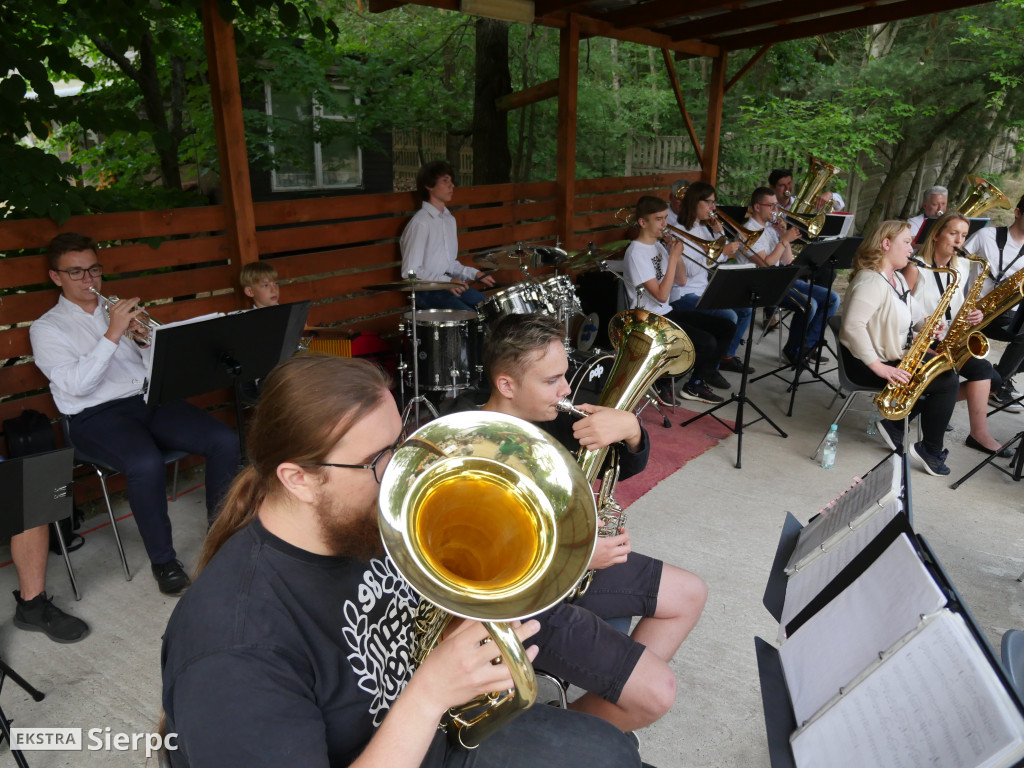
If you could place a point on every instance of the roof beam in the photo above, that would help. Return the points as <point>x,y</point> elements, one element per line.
<point>657,11</point>
<point>531,95</point>
<point>673,77</point>
<point>701,29</point>
<point>840,22</point>
<point>544,7</point>
<point>747,67</point>
<point>591,27</point>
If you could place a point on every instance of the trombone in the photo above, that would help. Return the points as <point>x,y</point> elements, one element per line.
<point>713,248</point>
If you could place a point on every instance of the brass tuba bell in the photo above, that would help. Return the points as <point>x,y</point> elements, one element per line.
<point>983,196</point>
<point>819,173</point>
<point>488,518</point>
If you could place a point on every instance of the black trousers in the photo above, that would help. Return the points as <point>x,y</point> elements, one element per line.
<point>710,336</point>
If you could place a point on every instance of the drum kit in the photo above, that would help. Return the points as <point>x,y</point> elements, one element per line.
<point>446,346</point>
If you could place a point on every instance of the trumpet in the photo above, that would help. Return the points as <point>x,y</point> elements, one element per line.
<point>143,337</point>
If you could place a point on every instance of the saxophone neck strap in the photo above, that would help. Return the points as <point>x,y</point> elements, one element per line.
<point>1002,233</point>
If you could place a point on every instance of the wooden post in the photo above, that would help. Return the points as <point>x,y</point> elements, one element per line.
<point>673,77</point>
<point>568,75</point>
<point>226,100</point>
<point>713,136</point>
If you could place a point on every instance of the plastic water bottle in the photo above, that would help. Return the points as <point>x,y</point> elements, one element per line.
<point>872,425</point>
<point>828,456</point>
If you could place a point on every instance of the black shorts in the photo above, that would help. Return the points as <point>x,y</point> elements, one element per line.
<point>578,645</point>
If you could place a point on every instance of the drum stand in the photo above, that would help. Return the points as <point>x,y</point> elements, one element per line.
<point>413,406</point>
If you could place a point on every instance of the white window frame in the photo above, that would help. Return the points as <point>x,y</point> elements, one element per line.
<point>318,171</point>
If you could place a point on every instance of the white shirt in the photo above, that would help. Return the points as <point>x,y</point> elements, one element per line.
<point>1002,265</point>
<point>697,276</point>
<point>84,367</point>
<point>765,243</point>
<point>916,222</point>
<point>430,245</point>
<point>645,262</point>
<point>673,219</point>
<point>927,292</point>
<point>838,203</point>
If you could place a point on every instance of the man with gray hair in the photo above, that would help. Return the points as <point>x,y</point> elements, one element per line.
<point>933,205</point>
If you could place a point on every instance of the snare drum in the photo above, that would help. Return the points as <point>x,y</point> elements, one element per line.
<point>444,356</point>
<point>518,299</point>
<point>588,372</point>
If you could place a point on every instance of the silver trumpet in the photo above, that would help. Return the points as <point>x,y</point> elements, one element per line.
<point>144,337</point>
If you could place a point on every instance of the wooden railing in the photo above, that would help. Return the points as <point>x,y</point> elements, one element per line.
<point>325,250</point>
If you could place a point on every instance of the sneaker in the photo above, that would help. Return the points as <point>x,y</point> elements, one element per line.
<point>171,577</point>
<point>1002,398</point>
<point>699,391</point>
<point>934,463</point>
<point>733,365</point>
<point>892,433</point>
<point>717,380</point>
<point>40,615</point>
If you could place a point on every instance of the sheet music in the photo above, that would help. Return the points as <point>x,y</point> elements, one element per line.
<point>868,617</point>
<point>806,583</point>
<point>866,496</point>
<point>935,702</point>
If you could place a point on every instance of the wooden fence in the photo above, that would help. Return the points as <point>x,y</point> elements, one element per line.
<point>325,250</point>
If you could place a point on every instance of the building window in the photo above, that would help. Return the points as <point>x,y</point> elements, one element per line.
<point>306,163</point>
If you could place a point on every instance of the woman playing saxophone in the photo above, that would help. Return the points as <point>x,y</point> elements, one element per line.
<point>940,248</point>
<point>878,327</point>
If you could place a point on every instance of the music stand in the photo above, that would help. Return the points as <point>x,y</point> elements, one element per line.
<point>744,287</point>
<point>197,357</point>
<point>37,491</point>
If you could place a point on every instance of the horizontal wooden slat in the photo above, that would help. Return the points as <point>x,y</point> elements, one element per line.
<point>21,378</point>
<point>14,343</point>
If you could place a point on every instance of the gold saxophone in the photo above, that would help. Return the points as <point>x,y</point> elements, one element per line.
<point>1003,297</point>
<point>648,345</point>
<point>896,400</point>
<point>963,340</point>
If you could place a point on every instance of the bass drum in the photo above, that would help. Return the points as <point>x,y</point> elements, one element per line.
<point>588,372</point>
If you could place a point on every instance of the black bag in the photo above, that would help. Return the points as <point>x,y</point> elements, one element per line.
<point>31,432</point>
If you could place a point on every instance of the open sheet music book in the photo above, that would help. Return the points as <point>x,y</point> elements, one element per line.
<point>885,675</point>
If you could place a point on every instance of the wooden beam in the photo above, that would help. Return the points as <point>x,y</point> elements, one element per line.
<point>839,22</point>
<point>226,99</point>
<point>739,19</point>
<point>531,95</point>
<point>379,6</point>
<point>659,11</point>
<point>674,79</point>
<point>568,81</point>
<point>591,27</point>
<point>712,138</point>
<point>748,66</point>
<point>544,7</point>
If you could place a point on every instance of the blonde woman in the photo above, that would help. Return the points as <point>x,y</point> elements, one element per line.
<point>940,249</point>
<point>878,326</point>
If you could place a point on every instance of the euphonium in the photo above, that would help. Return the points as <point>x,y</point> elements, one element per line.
<point>490,519</point>
<point>149,325</point>
<point>648,345</point>
<point>896,400</point>
<point>964,340</point>
<point>983,195</point>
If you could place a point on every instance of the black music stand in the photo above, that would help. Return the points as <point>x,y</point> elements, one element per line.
<point>744,287</point>
<point>194,358</point>
<point>36,489</point>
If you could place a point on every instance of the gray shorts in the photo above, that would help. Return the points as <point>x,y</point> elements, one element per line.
<point>578,645</point>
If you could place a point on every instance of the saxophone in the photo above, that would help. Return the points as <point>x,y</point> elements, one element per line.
<point>896,400</point>
<point>964,340</point>
<point>1003,297</point>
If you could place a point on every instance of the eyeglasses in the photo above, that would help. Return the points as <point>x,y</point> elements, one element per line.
<point>384,456</point>
<point>77,273</point>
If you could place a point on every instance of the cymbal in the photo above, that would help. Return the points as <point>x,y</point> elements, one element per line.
<point>506,258</point>
<point>588,257</point>
<point>409,286</point>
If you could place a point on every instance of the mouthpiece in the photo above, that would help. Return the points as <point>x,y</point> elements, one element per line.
<point>565,406</point>
<point>960,252</point>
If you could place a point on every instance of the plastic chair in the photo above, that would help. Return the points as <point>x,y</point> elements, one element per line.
<point>1012,651</point>
<point>104,471</point>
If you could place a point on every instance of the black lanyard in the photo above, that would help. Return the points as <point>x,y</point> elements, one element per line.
<point>1002,235</point>
<point>902,296</point>
<point>938,282</point>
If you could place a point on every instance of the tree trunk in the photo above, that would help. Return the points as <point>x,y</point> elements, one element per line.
<point>913,194</point>
<point>492,162</point>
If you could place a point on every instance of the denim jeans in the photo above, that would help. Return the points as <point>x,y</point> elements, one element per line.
<point>467,300</point>
<point>130,436</point>
<point>738,316</point>
<point>542,736</point>
<point>821,305</point>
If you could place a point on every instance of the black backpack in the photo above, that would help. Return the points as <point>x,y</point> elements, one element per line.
<point>31,432</point>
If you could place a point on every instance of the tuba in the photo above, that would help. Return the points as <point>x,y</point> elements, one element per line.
<point>819,173</point>
<point>896,400</point>
<point>648,345</point>
<point>982,197</point>
<point>490,519</point>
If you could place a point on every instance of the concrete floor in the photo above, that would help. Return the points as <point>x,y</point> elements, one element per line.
<point>721,522</point>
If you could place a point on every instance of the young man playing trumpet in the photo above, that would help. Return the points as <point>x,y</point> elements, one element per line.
<point>96,378</point>
<point>627,678</point>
